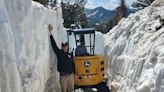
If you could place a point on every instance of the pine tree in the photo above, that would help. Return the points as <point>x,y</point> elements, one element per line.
<point>44,2</point>
<point>73,11</point>
<point>121,11</point>
<point>51,3</point>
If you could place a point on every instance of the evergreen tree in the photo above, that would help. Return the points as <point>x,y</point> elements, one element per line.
<point>73,11</point>
<point>51,3</point>
<point>44,2</point>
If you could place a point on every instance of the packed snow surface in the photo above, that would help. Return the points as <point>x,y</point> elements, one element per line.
<point>135,51</point>
<point>25,53</point>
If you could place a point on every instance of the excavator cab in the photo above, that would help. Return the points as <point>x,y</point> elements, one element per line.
<point>89,67</point>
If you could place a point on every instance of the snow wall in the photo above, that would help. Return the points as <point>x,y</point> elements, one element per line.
<point>25,58</point>
<point>135,51</point>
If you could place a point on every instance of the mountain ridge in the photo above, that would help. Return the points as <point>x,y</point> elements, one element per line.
<point>100,15</point>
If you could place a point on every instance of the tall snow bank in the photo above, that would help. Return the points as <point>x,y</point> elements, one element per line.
<point>135,51</point>
<point>25,58</point>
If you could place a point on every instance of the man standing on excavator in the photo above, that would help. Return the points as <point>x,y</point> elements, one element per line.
<point>65,65</point>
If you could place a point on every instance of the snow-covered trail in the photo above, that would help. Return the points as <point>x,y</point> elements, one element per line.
<point>133,48</point>
<point>25,54</point>
<point>135,51</point>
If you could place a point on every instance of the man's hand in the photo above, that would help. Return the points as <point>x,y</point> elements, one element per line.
<point>50,28</point>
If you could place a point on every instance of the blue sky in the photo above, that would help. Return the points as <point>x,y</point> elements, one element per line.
<point>108,4</point>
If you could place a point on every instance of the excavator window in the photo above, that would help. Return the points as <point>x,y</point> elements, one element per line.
<point>84,40</point>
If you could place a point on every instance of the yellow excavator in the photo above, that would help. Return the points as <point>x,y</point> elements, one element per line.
<point>89,68</point>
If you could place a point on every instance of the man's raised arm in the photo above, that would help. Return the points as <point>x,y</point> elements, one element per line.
<point>53,43</point>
